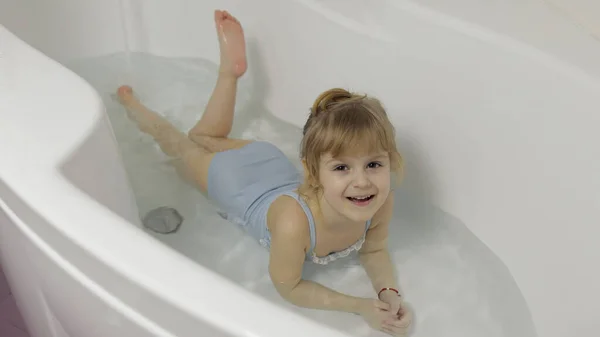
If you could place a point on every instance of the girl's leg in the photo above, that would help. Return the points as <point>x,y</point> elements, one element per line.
<point>209,135</point>
<point>174,143</point>
<point>215,124</point>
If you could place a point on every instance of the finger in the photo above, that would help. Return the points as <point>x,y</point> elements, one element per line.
<point>393,330</point>
<point>388,331</point>
<point>391,316</point>
<point>398,323</point>
<point>406,319</point>
<point>396,308</point>
<point>382,305</point>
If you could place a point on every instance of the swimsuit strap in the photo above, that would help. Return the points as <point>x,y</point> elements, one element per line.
<point>311,220</point>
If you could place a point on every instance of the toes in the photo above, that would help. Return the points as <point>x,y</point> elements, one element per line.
<point>124,90</point>
<point>125,94</point>
<point>220,16</point>
<point>229,16</point>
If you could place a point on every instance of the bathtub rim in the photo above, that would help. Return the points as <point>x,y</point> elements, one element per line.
<point>179,295</point>
<point>40,193</point>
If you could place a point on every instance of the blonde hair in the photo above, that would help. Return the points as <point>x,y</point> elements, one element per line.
<point>342,122</point>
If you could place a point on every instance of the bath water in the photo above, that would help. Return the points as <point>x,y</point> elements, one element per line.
<point>456,286</point>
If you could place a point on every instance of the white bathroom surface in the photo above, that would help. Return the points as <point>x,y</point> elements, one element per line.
<point>455,284</point>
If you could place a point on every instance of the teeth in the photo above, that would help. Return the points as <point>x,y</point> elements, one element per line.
<point>361,198</point>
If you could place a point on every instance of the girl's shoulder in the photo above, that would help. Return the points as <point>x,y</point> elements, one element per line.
<point>286,218</point>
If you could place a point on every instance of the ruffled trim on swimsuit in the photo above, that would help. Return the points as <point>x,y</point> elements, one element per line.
<point>338,255</point>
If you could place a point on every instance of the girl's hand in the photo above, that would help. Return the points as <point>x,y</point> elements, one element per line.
<point>403,316</point>
<point>377,314</point>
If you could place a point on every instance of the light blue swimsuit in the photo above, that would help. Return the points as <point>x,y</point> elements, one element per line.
<point>245,181</point>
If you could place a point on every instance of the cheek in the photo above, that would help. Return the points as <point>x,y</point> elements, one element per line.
<point>333,185</point>
<point>382,180</point>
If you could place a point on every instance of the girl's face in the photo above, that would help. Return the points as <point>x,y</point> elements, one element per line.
<point>355,186</point>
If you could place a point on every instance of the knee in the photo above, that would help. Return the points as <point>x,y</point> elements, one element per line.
<point>204,141</point>
<point>196,137</point>
<point>191,135</point>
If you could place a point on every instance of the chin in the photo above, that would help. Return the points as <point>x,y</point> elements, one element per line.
<point>362,217</point>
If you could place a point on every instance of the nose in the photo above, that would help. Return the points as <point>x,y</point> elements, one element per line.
<point>361,179</point>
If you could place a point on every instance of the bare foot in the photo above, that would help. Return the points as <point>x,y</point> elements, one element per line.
<point>125,94</point>
<point>231,43</point>
<point>135,109</point>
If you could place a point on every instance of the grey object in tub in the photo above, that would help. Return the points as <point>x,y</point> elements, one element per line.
<point>163,220</point>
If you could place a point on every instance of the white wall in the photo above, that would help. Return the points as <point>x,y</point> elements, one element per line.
<point>496,105</point>
<point>583,12</point>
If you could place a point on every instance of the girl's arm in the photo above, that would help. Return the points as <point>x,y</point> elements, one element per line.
<point>288,249</point>
<point>374,255</point>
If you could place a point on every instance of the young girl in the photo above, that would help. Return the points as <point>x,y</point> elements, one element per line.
<point>344,204</point>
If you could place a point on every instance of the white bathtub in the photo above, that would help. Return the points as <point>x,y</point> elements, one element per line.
<point>496,104</point>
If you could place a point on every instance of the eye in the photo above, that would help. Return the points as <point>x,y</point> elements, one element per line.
<point>374,164</point>
<point>340,168</point>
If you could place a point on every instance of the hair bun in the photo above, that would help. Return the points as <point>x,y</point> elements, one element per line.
<point>329,97</point>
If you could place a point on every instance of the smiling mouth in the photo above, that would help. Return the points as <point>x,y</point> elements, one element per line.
<point>360,199</point>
